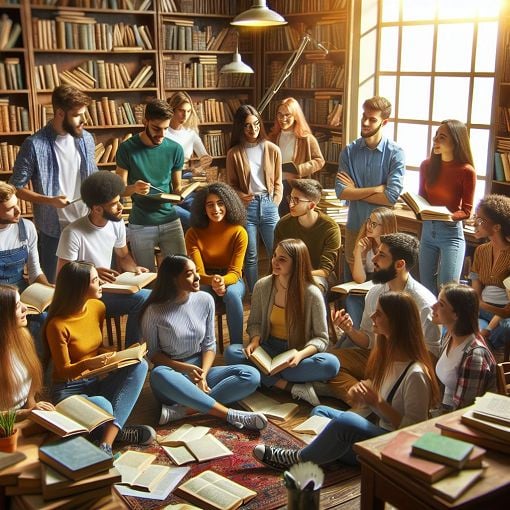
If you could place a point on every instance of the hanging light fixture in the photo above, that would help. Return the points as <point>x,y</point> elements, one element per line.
<point>259,15</point>
<point>237,65</point>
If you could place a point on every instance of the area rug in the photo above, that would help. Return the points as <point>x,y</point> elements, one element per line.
<point>240,467</point>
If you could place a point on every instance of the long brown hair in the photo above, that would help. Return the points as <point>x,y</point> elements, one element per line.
<point>405,340</point>
<point>387,218</point>
<point>15,343</point>
<point>300,127</point>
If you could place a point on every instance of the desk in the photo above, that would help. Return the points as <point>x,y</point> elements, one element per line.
<point>380,482</point>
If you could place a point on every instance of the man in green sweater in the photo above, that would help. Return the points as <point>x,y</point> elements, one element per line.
<point>318,231</point>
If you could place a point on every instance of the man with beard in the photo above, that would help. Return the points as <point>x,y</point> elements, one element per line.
<point>370,172</point>
<point>397,254</point>
<point>56,159</point>
<point>96,237</point>
<point>150,163</point>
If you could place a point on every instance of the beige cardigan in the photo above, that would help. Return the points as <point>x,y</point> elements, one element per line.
<point>307,155</point>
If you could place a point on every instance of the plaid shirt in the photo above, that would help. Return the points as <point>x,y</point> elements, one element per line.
<point>37,162</point>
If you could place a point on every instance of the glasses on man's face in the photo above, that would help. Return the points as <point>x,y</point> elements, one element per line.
<point>372,224</point>
<point>295,200</point>
<point>253,126</point>
<point>478,220</point>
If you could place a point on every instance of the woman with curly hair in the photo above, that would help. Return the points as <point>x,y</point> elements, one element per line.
<point>254,170</point>
<point>491,266</point>
<point>216,242</point>
<point>293,135</point>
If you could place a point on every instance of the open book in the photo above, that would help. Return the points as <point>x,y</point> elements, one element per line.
<point>174,197</point>
<point>493,408</point>
<point>268,365</point>
<point>212,491</point>
<point>359,289</point>
<point>73,415</point>
<point>425,211</point>
<point>129,283</point>
<point>290,167</point>
<point>259,403</point>
<point>37,297</point>
<point>138,471</point>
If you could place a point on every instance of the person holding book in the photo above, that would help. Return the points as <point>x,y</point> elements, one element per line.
<point>254,170</point>
<point>149,163</point>
<point>74,335</point>
<point>288,312</point>
<point>491,266</point>
<point>217,243</point>
<point>21,377</point>
<point>447,178</point>
<point>466,366</point>
<point>399,388</point>
<point>178,325</point>
<point>56,160</point>
<point>301,154</point>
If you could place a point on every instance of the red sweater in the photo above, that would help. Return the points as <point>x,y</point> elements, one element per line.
<point>454,188</point>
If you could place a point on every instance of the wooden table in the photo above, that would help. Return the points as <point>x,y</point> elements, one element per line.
<point>381,483</point>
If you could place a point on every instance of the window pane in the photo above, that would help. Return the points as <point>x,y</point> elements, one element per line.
<point>411,180</point>
<point>417,48</point>
<point>454,47</point>
<point>486,47</point>
<point>389,49</point>
<point>482,100</point>
<point>418,9</point>
<point>414,97</point>
<point>450,98</point>
<point>367,54</point>
<point>389,131</point>
<point>480,146</point>
<point>390,10</point>
<point>413,139</point>
<point>387,89</point>
<point>449,9</point>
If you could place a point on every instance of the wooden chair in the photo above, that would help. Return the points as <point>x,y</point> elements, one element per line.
<point>114,332</point>
<point>503,375</point>
<point>219,312</point>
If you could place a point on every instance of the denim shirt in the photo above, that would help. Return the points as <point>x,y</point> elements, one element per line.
<point>37,162</point>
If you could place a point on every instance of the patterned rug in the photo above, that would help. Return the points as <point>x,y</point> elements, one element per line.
<point>240,467</point>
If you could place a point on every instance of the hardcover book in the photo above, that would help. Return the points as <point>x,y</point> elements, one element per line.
<point>268,365</point>
<point>442,449</point>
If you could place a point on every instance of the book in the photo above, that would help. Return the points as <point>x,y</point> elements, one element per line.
<point>210,490</point>
<point>129,283</point>
<point>438,448</point>
<point>174,197</point>
<point>185,433</point>
<point>290,167</point>
<point>455,484</point>
<point>73,415</point>
<point>494,408</point>
<point>259,403</point>
<point>268,365</point>
<point>313,425</point>
<point>75,458</point>
<point>146,479</point>
<point>37,297</point>
<point>423,210</point>
<point>360,289</point>
<point>9,459</point>
<point>501,432</point>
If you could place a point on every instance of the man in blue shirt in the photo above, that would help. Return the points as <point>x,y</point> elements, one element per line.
<point>370,171</point>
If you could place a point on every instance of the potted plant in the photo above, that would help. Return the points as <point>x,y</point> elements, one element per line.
<point>8,434</point>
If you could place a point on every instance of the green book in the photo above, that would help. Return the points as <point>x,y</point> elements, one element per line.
<point>443,449</point>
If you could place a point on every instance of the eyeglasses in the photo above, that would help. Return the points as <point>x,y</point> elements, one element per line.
<point>295,200</point>
<point>284,115</point>
<point>372,224</point>
<point>255,125</point>
<point>479,220</point>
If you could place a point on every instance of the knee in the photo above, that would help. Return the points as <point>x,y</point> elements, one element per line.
<point>249,374</point>
<point>330,364</point>
<point>320,411</point>
<point>233,353</point>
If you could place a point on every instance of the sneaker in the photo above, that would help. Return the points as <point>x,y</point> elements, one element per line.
<point>171,413</point>
<point>305,392</point>
<point>276,458</point>
<point>137,434</point>
<point>242,419</point>
<point>107,448</point>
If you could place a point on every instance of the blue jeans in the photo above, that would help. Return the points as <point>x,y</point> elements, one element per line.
<point>47,255</point>
<point>233,300</point>
<point>442,248</point>
<point>228,384</point>
<point>354,305</point>
<point>116,393</point>
<point>318,367</point>
<point>184,216</point>
<point>130,305</point>
<point>336,440</point>
<point>261,216</point>
<point>500,335</point>
<point>144,238</point>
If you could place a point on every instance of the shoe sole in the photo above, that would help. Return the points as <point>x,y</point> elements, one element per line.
<point>270,466</point>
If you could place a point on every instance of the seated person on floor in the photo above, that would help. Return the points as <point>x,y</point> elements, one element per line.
<point>288,312</point>
<point>182,346</point>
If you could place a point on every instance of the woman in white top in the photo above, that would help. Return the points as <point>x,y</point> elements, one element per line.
<point>399,390</point>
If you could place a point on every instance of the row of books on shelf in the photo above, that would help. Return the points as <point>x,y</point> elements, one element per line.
<point>216,142</point>
<point>330,144</point>
<point>331,205</point>
<point>13,118</point>
<point>183,34</point>
<point>310,75</point>
<point>132,5</point>
<point>227,7</point>
<point>11,75</point>
<point>8,153</point>
<point>297,6</point>
<point>107,153</point>
<point>502,166</point>
<point>214,110</point>
<point>9,32</point>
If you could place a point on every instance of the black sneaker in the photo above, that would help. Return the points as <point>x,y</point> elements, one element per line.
<point>276,458</point>
<point>137,434</point>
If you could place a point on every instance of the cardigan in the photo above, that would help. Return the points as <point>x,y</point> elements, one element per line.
<point>307,155</point>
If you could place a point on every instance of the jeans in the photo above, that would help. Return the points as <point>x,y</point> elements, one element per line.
<point>233,300</point>
<point>47,255</point>
<point>284,208</point>
<point>130,305</point>
<point>184,216</point>
<point>116,393</point>
<point>499,335</point>
<point>228,384</point>
<point>318,367</point>
<point>336,440</point>
<point>144,238</point>
<point>354,305</point>
<point>261,216</point>
<point>442,248</point>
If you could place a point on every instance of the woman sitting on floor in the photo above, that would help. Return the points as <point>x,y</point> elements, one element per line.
<point>178,324</point>
<point>288,312</point>
<point>74,334</point>
<point>400,389</point>
<point>466,366</point>
<point>217,244</point>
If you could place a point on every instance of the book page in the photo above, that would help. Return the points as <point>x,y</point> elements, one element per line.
<point>227,485</point>
<point>207,448</point>
<point>150,477</point>
<point>313,425</point>
<point>134,459</point>
<point>58,420</point>
<point>179,454</point>
<point>258,402</point>
<point>281,411</point>
<point>133,352</point>
<point>138,280</point>
<point>84,412</point>
<point>37,296</point>
<point>184,434</point>
<point>495,405</point>
<point>262,357</point>
<point>282,359</point>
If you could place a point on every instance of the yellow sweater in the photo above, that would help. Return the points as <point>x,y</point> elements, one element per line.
<point>220,246</point>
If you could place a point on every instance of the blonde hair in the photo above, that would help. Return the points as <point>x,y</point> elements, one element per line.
<point>179,98</point>
<point>6,191</point>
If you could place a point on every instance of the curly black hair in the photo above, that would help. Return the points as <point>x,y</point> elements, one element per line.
<point>402,247</point>
<point>101,187</point>
<point>236,212</point>
<point>497,208</point>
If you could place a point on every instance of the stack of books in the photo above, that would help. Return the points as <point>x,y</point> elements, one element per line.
<point>332,206</point>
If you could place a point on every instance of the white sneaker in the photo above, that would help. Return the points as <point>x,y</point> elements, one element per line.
<point>242,419</point>
<point>305,392</point>
<point>171,413</point>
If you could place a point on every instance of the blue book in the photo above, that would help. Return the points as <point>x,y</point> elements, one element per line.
<point>499,173</point>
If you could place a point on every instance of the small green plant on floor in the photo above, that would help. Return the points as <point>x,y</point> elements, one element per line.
<point>7,420</point>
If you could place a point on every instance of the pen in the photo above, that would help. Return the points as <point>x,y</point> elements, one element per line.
<point>162,191</point>
<point>74,201</point>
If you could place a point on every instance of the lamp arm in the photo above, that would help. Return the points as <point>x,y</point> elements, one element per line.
<point>284,73</point>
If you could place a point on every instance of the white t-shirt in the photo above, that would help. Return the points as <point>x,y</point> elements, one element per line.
<point>189,140</point>
<point>22,391</point>
<point>81,240</point>
<point>255,154</point>
<point>287,143</point>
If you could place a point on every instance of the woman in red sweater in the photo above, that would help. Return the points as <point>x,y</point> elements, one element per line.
<point>447,178</point>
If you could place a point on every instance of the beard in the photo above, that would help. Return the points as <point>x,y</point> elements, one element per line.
<point>153,139</point>
<point>72,129</point>
<point>373,132</point>
<point>384,275</point>
<point>111,217</point>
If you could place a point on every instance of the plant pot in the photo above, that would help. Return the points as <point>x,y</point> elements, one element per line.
<point>9,444</point>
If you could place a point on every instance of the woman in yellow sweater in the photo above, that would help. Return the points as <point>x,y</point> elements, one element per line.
<point>217,242</point>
